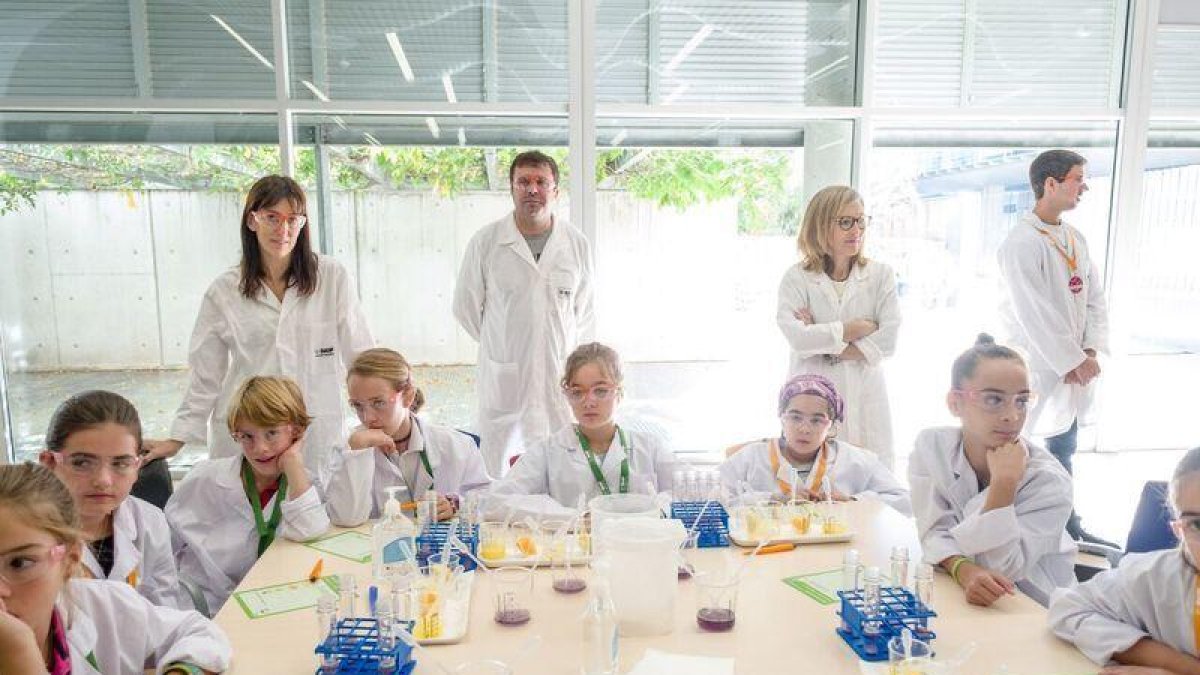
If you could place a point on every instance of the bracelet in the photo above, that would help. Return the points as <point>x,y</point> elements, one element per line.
<point>955,565</point>
<point>181,668</point>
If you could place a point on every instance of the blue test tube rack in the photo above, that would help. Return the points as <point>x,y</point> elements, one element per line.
<point>713,531</point>
<point>898,609</point>
<point>355,643</point>
<point>433,539</point>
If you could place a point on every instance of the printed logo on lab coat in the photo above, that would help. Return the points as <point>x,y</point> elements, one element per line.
<point>321,352</point>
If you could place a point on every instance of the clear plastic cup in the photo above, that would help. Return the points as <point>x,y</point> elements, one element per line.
<point>493,541</point>
<point>716,601</point>
<point>919,660</point>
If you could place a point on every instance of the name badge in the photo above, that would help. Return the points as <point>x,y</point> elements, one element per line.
<point>322,352</point>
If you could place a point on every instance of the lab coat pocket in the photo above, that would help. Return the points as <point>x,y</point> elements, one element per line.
<point>321,361</point>
<point>502,385</point>
<point>562,286</point>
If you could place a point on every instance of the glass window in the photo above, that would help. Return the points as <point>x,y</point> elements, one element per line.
<point>726,51</point>
<point>111,229</point>
<point>403,203</point>
<point>704,212</point>
<point>944,197</point>
<point>1177,66</point>
<point>456,50</point>
<point>950,53</point>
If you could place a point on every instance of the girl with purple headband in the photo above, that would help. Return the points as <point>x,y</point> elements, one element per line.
<point>806,454</point>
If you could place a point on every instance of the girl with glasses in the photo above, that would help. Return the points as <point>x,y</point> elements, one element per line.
<point>1143,613</point>
<point>227,511</point>
<point>394,447</point>
<point>839,313</point>
<point>284,311</point>
<point>92,445</point>
<point>52,623</point>
<point>592,457</point>
<point>797,463</point>
<point>992,507</point>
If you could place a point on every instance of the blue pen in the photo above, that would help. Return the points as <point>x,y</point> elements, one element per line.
<point>372,598</point>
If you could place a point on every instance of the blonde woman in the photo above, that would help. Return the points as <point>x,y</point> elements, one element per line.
<point>591,457</point>
<point>229,510</point>
<point>840,315</point>
<point>394,447</point>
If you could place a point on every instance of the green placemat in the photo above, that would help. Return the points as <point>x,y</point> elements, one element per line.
<point>352,545</point>
<point>822,587</point>
<point>285,597</point>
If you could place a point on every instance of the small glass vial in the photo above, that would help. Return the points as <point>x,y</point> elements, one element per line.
<point>870,611</point>
<point>850,571</point>
<point>327,619</point>
<point>348,590</point>
<point>900,566</point>
<point>923,586</point>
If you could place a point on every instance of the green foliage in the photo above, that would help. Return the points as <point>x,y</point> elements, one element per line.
<point>678,178</point>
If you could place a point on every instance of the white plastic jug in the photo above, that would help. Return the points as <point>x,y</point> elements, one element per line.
<point>641,560</point>
<point>608,508</point>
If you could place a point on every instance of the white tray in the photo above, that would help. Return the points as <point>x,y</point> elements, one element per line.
<point>456,614</point>
<point>578,557</point>
<point>741,538</point>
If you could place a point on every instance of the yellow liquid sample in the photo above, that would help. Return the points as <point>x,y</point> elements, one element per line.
<point>493,550</point>
<point>585,542</point>
<point>800,524</point>
<point>834,527</point>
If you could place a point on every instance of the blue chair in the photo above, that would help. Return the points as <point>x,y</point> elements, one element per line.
<point>1149,531</point>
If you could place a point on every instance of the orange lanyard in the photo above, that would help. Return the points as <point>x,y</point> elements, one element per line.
<point>817,476</point>
<point>132,578</point>
<point>1196,614</point>
<point>1070,254</point>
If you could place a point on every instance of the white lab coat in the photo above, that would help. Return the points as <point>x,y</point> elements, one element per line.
<point>357,478</point>
<point>851,470</point>
<point>549,479</point>
<point>141,543</point>
<point>311,340</point>
<point>213,531</point>
<point>127,634</point>
<point>1052,325</point>
<point>870,293</point>
<point>1026,542</point>
<point>527,317</point>
<point>1148,596</point>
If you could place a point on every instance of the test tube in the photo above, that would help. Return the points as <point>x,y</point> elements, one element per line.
<point>871,609</point>
<point>348,590</point>
<point>900,566</point>
<point>850,570</point>
<point>327,630</point>
<point>387,638</point>
<point>924,585</point>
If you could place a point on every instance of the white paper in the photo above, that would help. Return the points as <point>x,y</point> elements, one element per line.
<point>655,662</point>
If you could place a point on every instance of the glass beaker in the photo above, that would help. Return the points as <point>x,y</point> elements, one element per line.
<point>716,601</point>
<point>493,541</point>
<point>513,588</point>
<point>918,661</point>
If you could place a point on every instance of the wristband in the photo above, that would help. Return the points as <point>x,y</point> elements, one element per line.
<point>955,565</point>
<point>181,668</point>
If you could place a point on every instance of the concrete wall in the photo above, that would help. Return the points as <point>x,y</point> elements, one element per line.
<point>98,280</point>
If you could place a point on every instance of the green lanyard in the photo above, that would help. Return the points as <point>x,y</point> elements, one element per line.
<point>596,472</point>
<point>266,531</point>
<point>425,463</point>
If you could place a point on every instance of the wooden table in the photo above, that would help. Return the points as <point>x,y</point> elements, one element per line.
<point>779,629</point>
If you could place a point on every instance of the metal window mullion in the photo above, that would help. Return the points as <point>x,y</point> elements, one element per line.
<point>6,426</point>
<point>868,27</point>
<point>653,49</point>
<point>968,53</point>
<point>287,162</point>
<point>581,40</point>
<point>490,51</point>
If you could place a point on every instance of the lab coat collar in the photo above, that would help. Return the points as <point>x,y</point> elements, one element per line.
<point>82,635</point>
<point>569,442</point>
<point>124,531</point>
<point>510,236</point>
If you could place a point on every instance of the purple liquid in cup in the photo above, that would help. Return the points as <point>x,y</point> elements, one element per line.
<point>512,617</point>
<point>569,585</point>
<point>716,619</point>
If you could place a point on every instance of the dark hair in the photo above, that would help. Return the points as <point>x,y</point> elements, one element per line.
<point>1054,164</point>
<point>302,271</point>
<point>533,158</point>
<point>90,409</point>
<point>985,348</point>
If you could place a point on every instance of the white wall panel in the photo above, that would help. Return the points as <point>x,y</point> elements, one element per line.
<point>27,294</point>
<point>106,320</point>
<point>98,232</point>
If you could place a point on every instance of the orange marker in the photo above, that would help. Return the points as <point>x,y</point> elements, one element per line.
<point>132,579</point>
<point>316,570</point>
<point>773,548</point>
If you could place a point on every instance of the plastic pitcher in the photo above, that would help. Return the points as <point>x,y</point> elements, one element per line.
<point>641,560</point>
<point>607,508</point>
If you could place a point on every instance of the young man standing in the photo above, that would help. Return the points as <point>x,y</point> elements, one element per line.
<point>1053,307</point>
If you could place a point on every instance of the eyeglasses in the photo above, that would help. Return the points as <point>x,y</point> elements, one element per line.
<point>294,221</point>
<point>82,464</point>
<point>601,393</point>
<point>245,438</point>
<point>30,564</point>
<point>543,185</point>
<point>1190,524</point>
<point>795,419</point>
<point>376,404</point>
<point>848,223</point>
<point>995,401</point>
